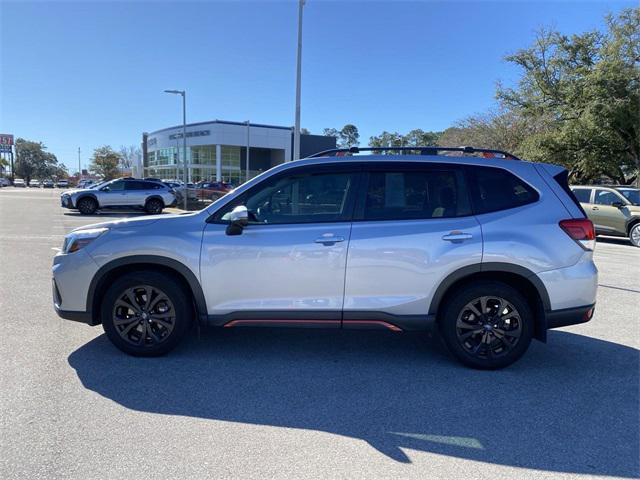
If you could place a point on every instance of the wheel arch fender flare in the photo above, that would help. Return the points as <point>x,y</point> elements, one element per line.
<point>153,197</point>
<point>498,268</point>
<point>99,280</point>
<point>631,222</point>
<point>87,195</point>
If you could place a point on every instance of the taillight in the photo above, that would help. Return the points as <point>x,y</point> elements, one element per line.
<point>581,230</point>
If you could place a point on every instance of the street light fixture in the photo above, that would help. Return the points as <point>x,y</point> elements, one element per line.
<point>184,140</point>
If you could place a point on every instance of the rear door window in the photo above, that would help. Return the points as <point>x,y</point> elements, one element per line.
<point>495,189</point>
<point>423,193</point>
<point>583,194</point>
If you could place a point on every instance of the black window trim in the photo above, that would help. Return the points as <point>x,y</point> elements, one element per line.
<point>395,166</point>
<point>346,167</point>
<point>472,184</point>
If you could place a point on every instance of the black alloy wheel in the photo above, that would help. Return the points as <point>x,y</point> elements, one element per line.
<point>146,313</point>
<point>154,206</point>
<point>486,325</point>
<point>87,206</point>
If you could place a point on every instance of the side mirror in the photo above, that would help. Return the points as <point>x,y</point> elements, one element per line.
<point>238,219</point>
<point>105,189</point>
<point>618,204</point>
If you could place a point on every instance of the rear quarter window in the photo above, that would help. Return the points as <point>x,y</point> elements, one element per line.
<point>494,189</point>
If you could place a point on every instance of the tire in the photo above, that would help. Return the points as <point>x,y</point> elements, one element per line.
<point>634,235</point>
<point>154,206</point>
<point>214,196</point>
<point>489,341</point>
<point>144,328</point>
<point>87,206</point>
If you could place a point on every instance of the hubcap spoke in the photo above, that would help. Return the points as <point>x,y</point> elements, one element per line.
<point>490,332</point>
<point>144,328</point>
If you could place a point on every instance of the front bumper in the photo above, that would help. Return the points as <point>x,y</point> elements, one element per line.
<point>71,276</point>
<point>66,202</point>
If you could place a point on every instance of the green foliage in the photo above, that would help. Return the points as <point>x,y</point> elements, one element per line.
<point>415,137</point>
<point>104,162</point>
<point>347,137</point>
<point>582,95</point>
<point>33,161</point>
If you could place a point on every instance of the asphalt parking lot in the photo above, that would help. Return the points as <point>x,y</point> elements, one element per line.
<point>303,404</point>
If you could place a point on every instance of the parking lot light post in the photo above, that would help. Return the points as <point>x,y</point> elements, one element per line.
<point>184,141</point>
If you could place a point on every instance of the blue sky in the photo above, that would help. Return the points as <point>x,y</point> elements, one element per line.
<point>85,74</point>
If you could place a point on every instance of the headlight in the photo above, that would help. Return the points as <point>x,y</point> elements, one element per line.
<point>80,239</point>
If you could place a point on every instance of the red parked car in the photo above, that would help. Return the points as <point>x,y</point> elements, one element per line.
<point>212,190</point>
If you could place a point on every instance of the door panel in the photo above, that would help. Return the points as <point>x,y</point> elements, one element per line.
<point>282,268</point>
<point>605,217</point>
<point>395,267</point>
<point>415,227</point>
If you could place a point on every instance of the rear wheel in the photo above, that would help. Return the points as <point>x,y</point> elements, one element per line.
<point>146,314</point>
<point>634,235</point>
<point>487,325</point>
<point>87,206</point>
<point>154,206</point>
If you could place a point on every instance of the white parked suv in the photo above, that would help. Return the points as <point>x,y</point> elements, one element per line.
<point>120,193</point>
<point>491,251</point>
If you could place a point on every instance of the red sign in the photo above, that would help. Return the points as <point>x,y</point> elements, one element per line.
<point>6,139</point>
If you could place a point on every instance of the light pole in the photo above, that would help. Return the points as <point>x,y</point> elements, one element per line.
<point>296,132</point>
<point>184,140</point>
<point>248,147</point>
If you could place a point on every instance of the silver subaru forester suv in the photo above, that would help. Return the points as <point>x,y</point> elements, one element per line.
<point>490,250</point>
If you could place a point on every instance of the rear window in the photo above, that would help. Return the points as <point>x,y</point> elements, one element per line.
<point>415,194</point>
<point>496,189</point>
<point>583,195</point>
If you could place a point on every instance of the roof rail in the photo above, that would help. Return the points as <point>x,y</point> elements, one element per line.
<point>424,150</point>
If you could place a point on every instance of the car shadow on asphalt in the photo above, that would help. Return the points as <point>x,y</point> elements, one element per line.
<point>568,406</point>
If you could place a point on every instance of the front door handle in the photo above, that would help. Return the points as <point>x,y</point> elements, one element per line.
<point>595,208</point>
<point>457,236</point>
<point>329,239</point>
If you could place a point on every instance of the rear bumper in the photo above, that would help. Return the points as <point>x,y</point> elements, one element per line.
<point>570,316</point>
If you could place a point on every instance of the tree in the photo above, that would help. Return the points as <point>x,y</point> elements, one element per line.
<point>104,162</point>
<point>500,129</point>
<point>331,132</point>
<point>304,131</point>
<point>349,136</point>
<point>346,137</point>
<point>414,138</point>
<point>585,89</point>
<point>33,161</point>
<point>129,155</point>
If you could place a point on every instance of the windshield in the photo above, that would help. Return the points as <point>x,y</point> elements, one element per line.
<point>631,194</point>
<point>98,185</point>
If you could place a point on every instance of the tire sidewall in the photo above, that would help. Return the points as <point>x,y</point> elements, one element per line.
<point>176,293</point>
<point>636,227</point>
<point>456,302</point>
<point>154,211</point>
<point>87,201</point>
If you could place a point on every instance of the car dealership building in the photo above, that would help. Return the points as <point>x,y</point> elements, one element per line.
<point>217,150</point>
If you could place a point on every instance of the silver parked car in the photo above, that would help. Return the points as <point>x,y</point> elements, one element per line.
<point>491,251</point>
<point>120,193</point>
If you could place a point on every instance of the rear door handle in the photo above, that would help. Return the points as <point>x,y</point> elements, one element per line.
<point>329,239</point>
<point>457,237</point>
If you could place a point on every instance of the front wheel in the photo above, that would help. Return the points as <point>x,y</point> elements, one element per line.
<point>634,235</point>
<point>87,206</point>
<point>146,314</point>
<point>487,325</point>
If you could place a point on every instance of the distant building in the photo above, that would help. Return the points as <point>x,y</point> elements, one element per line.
<point>217,150</point>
